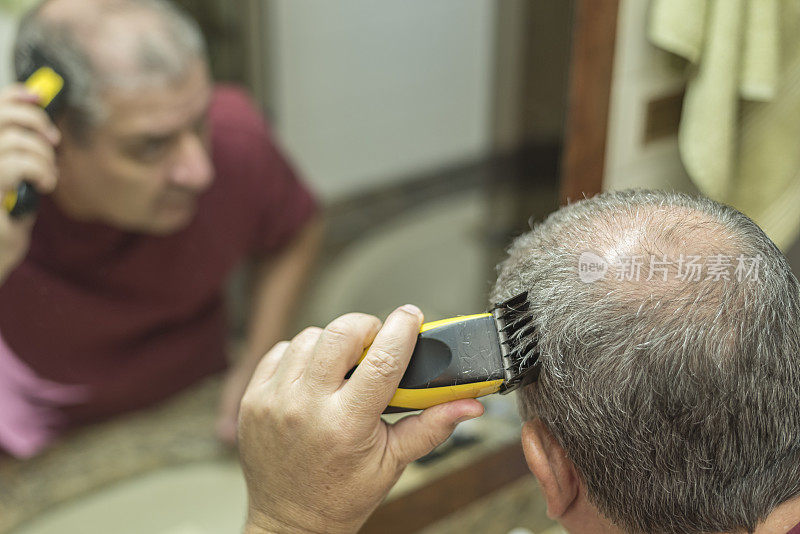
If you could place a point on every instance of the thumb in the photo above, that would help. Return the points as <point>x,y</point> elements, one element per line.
<point>415,436</point>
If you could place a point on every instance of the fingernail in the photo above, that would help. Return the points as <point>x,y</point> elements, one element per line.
<point>24,92</point>
<point>410,308</point>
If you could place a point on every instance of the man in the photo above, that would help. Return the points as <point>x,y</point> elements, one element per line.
<point>155,185</point>
<point>667,400</point>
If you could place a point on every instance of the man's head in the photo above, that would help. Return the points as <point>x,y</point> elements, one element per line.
<point>134,152</point>
<point>670,404</point>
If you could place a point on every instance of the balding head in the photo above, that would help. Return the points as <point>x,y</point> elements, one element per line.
<point>108,45</point>
<point>669,332</point>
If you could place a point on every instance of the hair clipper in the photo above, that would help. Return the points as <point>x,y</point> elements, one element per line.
<point>43,80</point>
<point>469,357</point>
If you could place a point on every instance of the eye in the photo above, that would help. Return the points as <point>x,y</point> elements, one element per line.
<point>200,127</point>
<point>151,148</point>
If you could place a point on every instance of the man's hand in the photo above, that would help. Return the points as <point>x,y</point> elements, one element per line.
<point>316,454</point>
<point>27,138</point>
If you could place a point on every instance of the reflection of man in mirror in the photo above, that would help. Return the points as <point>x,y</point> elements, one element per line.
<point>159,185</point>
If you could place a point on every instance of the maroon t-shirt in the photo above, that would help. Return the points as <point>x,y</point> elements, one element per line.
<point>133,318</point>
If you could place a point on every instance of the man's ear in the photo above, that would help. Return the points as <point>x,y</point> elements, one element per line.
<point>550,465</point>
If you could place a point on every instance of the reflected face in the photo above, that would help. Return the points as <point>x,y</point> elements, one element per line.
<point>144,167</point>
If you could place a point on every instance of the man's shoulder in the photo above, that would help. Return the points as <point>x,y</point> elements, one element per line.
<point>233,110</point>
<point>246,156</point>
<point>241,139</point>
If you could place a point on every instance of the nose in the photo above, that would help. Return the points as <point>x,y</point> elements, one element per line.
<point>192,168</point>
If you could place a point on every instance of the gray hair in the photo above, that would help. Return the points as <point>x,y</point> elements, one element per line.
<point>677,401</point>
<point>163,53</point>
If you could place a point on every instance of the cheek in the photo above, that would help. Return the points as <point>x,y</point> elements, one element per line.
<point>82,173</point>
<point>135,180</point>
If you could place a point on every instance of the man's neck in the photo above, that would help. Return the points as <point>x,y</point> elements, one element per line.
<point>585,519</point>
<point>71,207</point>
<point>782,518</point>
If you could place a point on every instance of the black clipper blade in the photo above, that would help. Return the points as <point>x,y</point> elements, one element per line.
<point>518,342</point>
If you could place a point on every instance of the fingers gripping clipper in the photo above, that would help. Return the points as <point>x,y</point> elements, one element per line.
<point>50,87</point>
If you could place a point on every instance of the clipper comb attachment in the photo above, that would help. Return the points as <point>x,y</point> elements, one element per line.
<point>518,342</point>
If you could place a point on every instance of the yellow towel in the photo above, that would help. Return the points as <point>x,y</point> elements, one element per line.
<point>739,136</point>
<point>16,6</point>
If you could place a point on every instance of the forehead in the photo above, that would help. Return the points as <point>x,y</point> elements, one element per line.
<point>159,107</point>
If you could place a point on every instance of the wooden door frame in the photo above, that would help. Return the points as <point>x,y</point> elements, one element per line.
<point>593,46</point>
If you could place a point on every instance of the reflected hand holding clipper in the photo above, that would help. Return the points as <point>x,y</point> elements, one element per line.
<point>50,87</point>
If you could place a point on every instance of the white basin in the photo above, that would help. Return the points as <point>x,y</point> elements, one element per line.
<point>432,256</point>
<point>202,498</point>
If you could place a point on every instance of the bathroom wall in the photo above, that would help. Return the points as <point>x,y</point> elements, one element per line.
<point>7,32</point>
<point>366,93</point>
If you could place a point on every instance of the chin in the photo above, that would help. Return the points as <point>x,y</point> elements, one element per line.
<point>169,222</point>
<point>170,226</point>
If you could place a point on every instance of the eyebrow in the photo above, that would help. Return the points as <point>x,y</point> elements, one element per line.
<point>143,136</point>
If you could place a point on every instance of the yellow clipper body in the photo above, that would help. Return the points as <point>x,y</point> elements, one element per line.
<point>10,200</point>
<point>419,399</point>
<point>46,84</point>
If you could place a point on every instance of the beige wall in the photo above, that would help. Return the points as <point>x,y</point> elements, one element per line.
<point>533,42</point>
<point>7,31</point>
<point>641,73</point>
<point>366,93</point>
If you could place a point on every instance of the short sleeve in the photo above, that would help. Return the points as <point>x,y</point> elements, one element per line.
<point>277,201</point>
